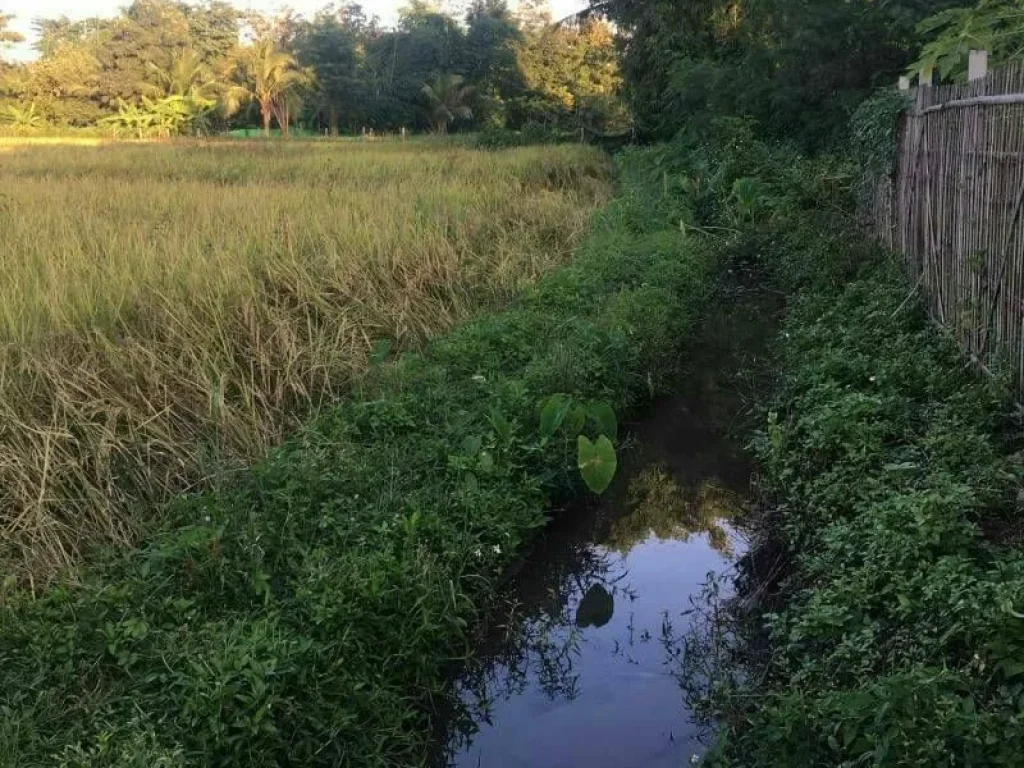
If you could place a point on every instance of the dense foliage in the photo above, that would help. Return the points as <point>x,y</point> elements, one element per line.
<point>892,479</point>
<point>996,26</point>
<point>339,70</point>
<point>798,69</point>
<point>304,614</point>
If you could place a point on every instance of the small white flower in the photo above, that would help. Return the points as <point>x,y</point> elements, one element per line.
<point>207,518</point>
<point>872,378</point>
<point>497,549</point>
<point>477,552</point>
<point>694,759</point>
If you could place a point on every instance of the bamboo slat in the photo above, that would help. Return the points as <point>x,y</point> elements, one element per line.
<point>955,210</point>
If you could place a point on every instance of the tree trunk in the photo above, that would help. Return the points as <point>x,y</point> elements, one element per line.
<point>332,118</point>
<point>280,113</point>
<point>265,113</point>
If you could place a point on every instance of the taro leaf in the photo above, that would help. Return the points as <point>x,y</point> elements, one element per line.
<point>597,462</point>
<point>596,607</point>
<point>604,417</point>
<point>575,420</point>
<point>553,413</point>
<point>380,351</point>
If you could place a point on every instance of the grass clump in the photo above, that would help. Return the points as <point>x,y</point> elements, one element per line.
<point>169,311</point>
<point>306,614</point>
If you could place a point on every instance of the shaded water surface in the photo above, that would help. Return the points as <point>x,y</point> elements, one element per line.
<point>579,666</point>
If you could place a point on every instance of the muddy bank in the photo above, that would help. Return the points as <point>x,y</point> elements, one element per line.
<point>579,664</point>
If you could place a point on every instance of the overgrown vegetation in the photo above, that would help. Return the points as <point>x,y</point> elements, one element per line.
<point>304,613</point>
<point>893,476</point>
<point>169,311</point>
<point>996,26</point>
<point>798,70</point>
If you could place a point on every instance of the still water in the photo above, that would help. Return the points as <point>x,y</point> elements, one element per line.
<point>582,670</point>
<point>580,665</point>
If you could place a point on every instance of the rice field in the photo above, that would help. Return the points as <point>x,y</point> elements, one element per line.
<point>170,311</point>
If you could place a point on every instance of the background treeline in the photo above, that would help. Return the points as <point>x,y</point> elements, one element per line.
<point>798,68</point>
<point>169,67</point>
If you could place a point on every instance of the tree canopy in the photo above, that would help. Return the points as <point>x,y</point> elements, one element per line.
<point>797,68</point>
<point>338,70</point>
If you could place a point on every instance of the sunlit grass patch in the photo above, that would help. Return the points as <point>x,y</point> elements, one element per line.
<point>167,310</point>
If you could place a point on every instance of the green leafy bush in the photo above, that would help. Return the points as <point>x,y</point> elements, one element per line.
<point>900,641</point>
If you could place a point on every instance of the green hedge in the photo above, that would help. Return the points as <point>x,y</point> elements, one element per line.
<point>308,613</point>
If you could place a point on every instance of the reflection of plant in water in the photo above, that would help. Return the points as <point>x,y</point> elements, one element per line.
<point>669,512</point>
<point>596,607</point>
<point>547,611</point>
<point>707,654</point>
<point>538,641</point>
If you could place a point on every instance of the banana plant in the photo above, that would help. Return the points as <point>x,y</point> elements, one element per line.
<point>23,118</point>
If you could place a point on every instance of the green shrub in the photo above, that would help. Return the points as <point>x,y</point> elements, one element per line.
<point>900,642</point>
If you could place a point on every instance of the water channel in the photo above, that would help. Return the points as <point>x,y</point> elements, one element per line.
<point>580,664</point>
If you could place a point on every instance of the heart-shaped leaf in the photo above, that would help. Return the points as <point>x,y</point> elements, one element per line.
<point>597,462</point>
<point>575,420</point>
<point>596,607</point>
<point>553,413</point>
<point>604,417</point>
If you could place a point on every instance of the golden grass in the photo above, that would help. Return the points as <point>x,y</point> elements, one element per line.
<point>169,310</point>
<point>10,143</point>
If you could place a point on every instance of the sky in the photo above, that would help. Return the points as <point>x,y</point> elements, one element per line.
<point>26,10</point>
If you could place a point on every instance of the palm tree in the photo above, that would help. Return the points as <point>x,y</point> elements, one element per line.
<point>272,79</point>
<point>184,95</point>
<point>187,76</point>
<point>447,98</point>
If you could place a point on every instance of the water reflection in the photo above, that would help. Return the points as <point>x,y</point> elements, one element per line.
<point>664,510</point>
<point>578,670</point>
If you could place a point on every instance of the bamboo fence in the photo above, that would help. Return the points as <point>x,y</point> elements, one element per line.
<point>954,210</point>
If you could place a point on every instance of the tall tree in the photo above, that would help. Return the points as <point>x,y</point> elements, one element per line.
<point>492,36</point>
<point>64,85</point>
<point>796,66</point>
<point>333,45</point>
<point>572,77</point>
<point>51,33</point>
<point>447,101</point>
<point>213,29</point>
<point>271,78</point>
